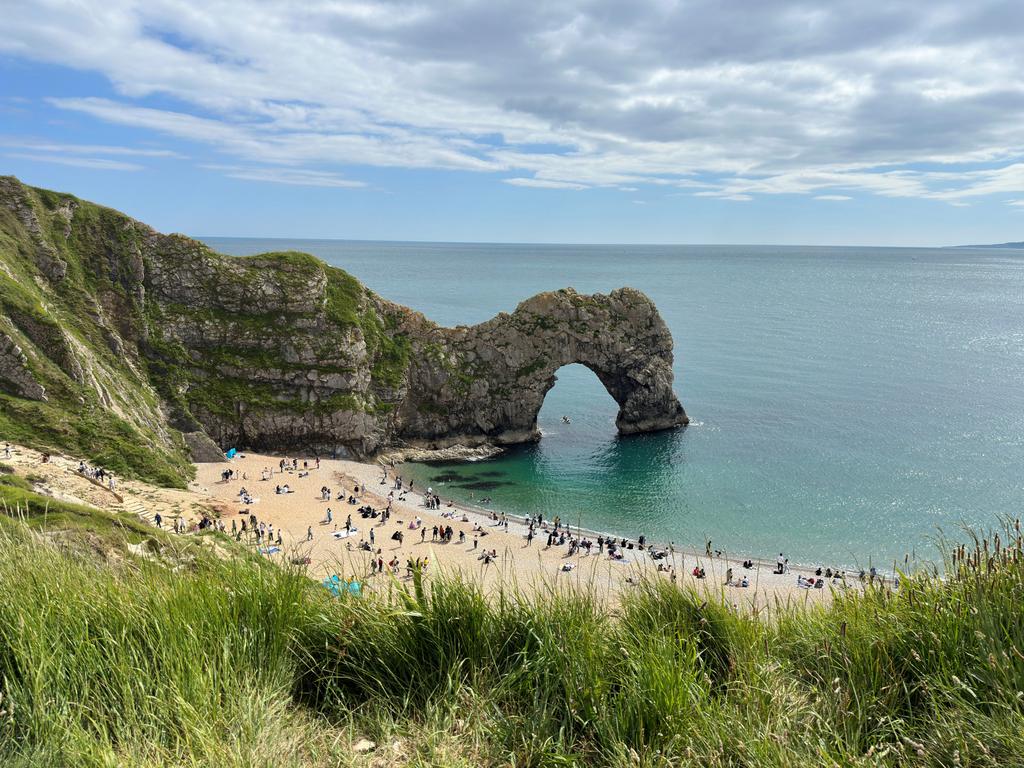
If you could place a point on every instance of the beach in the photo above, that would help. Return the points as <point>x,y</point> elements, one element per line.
<point>531,566</point>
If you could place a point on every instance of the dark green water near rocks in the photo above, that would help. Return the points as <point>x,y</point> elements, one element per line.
<point>846,402</point>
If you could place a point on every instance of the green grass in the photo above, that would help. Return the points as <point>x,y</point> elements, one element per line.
<point>21,506</point>
<point>96,433</point>
<point>234,662</point>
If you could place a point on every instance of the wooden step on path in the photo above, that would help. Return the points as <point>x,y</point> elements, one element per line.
<point>137,508</point>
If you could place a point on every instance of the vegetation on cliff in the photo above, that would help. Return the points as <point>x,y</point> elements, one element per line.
<point>115,339</point>
<point>233,662</point>
<point>98,403</point>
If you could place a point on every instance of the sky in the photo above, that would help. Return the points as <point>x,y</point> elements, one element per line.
<point>868,122</point>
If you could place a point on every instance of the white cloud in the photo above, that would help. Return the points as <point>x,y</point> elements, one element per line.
<point>836,198</point>
<point>543,184</point>
<point>94,163</point>
<point>298,177</point>
<point>729,100</point>
<point>37,145</point>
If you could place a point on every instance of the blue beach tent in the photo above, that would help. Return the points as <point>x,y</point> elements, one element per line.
<point>231,454</point>
<point>337,587</point>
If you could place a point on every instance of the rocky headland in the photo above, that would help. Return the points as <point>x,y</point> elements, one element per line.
<point>144,350</point>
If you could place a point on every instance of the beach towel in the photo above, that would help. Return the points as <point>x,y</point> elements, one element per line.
<point>270,550</point>
<point>345,534</point>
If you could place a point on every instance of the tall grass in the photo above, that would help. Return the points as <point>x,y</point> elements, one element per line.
<point>236,662</point>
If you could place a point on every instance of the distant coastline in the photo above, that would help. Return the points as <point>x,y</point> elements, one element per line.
<point>1011,246</point>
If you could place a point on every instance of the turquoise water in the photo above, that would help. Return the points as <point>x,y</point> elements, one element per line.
<point>846,402</point>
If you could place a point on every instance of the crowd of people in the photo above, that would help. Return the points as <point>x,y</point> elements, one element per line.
<point>554,533</point>
<point>97,474</point>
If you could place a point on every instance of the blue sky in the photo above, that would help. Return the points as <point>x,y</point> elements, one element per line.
<point>652,121</point>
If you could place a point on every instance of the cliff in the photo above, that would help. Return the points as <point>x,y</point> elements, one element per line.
<point>141,349</point>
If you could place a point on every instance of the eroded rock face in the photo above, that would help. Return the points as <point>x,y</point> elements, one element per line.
<point>282,352</point>
<point>486,383</point>
<point>15,374</point>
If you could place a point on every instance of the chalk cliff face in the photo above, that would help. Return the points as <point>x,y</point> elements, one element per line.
<point>140,349</point>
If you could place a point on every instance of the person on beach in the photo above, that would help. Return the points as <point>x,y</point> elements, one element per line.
<point>309,533</point>
<point>158,520</point>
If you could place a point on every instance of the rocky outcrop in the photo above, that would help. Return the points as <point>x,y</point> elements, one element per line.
<point>15,374</point>
<point>486,383</point>
<point>282,352</point>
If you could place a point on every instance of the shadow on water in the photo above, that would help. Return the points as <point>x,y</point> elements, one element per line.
<point>610,482</point>
<point>482,485</point>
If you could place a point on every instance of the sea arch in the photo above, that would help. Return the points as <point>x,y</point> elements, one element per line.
<point>487,383</point>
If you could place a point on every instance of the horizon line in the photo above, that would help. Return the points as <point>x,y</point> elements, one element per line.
<point>987,246</point>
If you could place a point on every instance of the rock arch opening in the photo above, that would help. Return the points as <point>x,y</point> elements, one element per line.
<point>578,397</point>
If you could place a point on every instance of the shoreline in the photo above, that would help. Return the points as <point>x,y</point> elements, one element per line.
<point>758,560</point>
<point>532,565</point>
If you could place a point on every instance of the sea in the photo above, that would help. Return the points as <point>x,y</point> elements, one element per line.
<point>849,406</point>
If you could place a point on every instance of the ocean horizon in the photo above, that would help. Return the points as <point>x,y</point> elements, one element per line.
<point>848,403</point>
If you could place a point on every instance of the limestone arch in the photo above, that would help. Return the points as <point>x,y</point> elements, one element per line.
<point>489,381</point>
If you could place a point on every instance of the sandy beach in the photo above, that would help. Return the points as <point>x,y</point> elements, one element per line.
<point>532,565</point>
